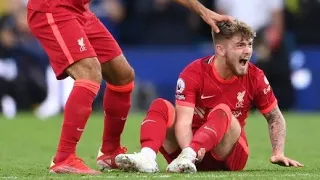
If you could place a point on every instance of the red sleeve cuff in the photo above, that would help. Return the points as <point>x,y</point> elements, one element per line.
<point>183,103</point>
<point>269,108</point>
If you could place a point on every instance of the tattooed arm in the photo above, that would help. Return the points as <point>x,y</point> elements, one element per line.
<point>277,132</point>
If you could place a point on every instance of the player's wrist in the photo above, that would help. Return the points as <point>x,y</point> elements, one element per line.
<point>202,11</point>
<point>198,8</point>
<point>277,153</point>
<point>183,141</point>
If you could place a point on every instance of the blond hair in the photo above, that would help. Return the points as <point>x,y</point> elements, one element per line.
<point>231,29</point>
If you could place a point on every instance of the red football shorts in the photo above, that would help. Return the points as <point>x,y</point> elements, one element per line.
<point>69,37</point>
<point>236,161</point>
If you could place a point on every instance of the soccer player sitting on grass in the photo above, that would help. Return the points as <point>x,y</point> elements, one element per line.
<point>205,131</point>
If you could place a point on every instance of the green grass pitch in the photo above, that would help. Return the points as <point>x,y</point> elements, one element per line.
<point>27,145</point>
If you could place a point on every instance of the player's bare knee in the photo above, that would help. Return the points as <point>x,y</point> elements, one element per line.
<point>235,128</point>
<point>118,71</point>
<point>232,135</point>
<point>130,75</point>
<point>88,68</point>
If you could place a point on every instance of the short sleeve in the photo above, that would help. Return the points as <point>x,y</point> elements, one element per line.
<point>264,98</point>
<point>187,88</point>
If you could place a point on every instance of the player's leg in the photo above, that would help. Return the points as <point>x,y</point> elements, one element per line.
<point>227,156</point>
<point>233,149</point>
<point>117,98</point>
<point>70,53</point>
<point>237,159</point>
<point>156,134</point>
<point>116,101</point>
<point>219,134</point>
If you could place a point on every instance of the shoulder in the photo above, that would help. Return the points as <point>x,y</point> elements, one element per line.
<point>191,76</point>
<point>254,70</point>
<point>255,73</point>
<point>195,66</point>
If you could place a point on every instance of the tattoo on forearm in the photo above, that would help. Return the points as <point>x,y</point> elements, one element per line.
<point>277,129</point>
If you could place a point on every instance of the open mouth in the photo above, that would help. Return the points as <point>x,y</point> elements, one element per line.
<point>243,62</point>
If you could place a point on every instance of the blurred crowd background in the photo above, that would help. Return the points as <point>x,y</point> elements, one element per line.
<point>159,38</point>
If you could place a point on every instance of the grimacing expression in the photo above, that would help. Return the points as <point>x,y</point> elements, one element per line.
<point>238,52</point>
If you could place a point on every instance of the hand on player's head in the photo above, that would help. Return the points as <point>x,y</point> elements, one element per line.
<point>228,29</point>
<point>212,18</point>
<point>221,18</point>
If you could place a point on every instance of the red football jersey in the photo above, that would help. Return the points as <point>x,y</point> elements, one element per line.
<point>200,86</point>
<point>51,6</point>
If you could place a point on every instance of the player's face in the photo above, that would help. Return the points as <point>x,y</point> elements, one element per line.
<point>238,54</point>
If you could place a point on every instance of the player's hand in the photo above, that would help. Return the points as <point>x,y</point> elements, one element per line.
<point>284,161</point>
<point>211,18</point>
<point>200,155</point>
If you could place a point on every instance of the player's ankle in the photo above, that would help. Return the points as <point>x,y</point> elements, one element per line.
<point>61,156</point>
<point>190,152</point>
<point>109,148</point>
<point>149,153</point>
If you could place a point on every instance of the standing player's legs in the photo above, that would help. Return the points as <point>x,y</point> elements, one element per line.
<point>156,134</point>
<point>70,54</point>
<point>116,102</point>
<point>117,98</point>
<point>219,136</point>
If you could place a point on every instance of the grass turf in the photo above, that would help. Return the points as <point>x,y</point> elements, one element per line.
<point>27,145</point>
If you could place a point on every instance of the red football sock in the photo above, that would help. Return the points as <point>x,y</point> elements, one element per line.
<point>211,133</point>
<point>153,128</point>
<point>77,111</point>
<point>116,104</point>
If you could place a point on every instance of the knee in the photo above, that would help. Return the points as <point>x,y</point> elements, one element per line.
<point>233,127</point>
<point>221,114</point>
<point>229,130</point>
<point>130,75</point>
<point>127,77</point>
<point>165,108</point>
<point>95,76</point>
<point>226,111</point>
<point>162,101</point>
<point>127,70</point>
<point>118,71</point>
<point>87,69</point>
